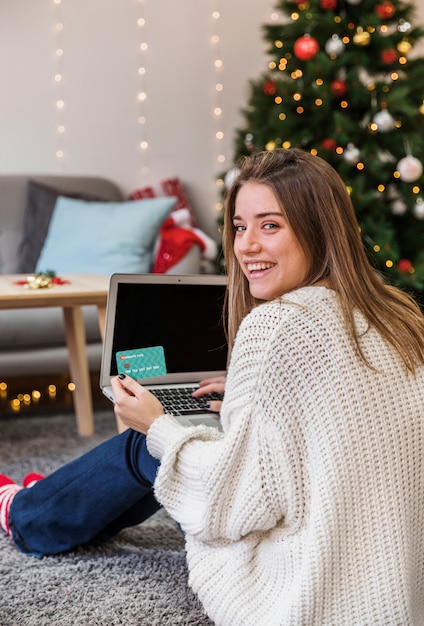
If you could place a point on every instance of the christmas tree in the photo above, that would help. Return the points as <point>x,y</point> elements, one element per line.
<point>342,84</point>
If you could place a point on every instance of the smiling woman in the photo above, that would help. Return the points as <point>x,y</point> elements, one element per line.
<point>314,221</point>
<point>304,480</point>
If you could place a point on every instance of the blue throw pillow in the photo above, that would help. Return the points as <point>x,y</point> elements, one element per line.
<point>103,237</point>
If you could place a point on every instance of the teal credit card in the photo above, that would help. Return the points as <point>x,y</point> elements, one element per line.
<point>142,362</point>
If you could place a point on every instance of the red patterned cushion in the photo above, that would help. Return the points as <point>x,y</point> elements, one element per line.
<point>173,187</point>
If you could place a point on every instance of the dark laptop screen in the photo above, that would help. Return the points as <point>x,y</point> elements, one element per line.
<point>185,319</point>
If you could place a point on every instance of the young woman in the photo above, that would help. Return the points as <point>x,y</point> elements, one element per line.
<point>309,507</point>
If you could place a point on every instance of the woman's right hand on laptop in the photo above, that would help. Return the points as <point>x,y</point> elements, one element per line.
<point>208,386</point>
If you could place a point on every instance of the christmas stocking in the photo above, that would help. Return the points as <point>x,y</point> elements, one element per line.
<point>177,238</point>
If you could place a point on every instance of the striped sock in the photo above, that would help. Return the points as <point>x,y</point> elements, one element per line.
<point>8,490</point>
<point>32,478</point>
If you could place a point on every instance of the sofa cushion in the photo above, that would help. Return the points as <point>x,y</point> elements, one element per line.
<point>25,329</point>
<point>103,238</point>
<point>33,341</point>
<point>40,203</point>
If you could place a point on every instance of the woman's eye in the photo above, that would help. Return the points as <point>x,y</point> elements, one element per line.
<point>239,227</point>
<point>270,226</point>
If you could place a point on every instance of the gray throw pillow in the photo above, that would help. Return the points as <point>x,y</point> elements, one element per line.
<point>41,200</point>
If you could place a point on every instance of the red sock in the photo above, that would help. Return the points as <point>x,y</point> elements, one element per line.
<point>8,490</point>
<point>32,478</point>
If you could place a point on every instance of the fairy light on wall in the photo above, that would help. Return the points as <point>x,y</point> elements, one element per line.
<point>58,79</point>
<point>18,401</point>
<point>142,91</point>
<point>219,88</point>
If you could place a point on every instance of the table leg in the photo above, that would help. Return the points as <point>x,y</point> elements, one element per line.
<point>101,313</point>
<point>75,336</point>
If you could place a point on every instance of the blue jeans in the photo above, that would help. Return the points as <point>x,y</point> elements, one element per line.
<point>88,500</point>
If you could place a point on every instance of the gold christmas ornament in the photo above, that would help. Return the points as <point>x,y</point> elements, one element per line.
<point>404,46</point>
<point>361,37</point>
<point>40,281</point>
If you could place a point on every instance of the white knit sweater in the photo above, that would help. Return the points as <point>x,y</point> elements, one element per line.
<point>309,509</point>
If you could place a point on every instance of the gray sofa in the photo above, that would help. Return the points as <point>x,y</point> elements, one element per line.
<point>32,341</point>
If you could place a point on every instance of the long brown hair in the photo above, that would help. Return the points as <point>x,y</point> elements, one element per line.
<point>318,208</point>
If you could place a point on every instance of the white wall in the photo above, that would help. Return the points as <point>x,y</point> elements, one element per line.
<point>101,56</point>
<point>100,86</point>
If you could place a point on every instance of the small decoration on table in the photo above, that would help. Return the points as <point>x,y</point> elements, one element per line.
<point>42,280</point>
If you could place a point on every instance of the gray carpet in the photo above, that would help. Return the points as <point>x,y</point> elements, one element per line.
<point>138,578</point>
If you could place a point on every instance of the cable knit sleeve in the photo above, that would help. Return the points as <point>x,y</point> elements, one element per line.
<point>227,485</point>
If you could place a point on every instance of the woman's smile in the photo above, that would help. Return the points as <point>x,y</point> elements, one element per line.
<point>258,267</point>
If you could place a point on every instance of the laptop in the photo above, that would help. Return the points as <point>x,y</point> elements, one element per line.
<point>167,332</point>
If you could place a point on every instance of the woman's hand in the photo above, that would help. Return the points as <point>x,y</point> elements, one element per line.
<point>211,385</point>
<point>135,406</point>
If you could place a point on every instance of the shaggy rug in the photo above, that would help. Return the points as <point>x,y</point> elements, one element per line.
<point>138,578</point>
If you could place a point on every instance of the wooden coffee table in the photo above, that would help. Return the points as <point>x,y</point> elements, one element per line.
<point>82,289</point>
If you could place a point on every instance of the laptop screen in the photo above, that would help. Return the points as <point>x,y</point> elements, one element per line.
<point>183,318</point>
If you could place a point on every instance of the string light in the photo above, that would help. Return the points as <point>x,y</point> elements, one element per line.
<point>142,96</point>
<point>217,110</point>
<point>57,393</point>
<point>3,390</point>
<point>58,79</point>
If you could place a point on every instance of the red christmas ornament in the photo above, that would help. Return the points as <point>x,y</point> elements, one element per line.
<point>385,10</point>
<point>329,144</point>
<point>389,56</point>
<point>269,87</point>
<point>339,88</point>
<point>328,5</point>
<point>306,47</point>
<point>405,266</point>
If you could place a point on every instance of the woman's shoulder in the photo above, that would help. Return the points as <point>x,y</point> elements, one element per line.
<point>294,310</point>
<point>296,303</point>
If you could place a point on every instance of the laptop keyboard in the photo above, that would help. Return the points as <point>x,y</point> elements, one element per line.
<point>179,400</point>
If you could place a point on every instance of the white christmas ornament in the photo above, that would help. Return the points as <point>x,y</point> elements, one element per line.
<point>398,207</point>
<point>392,192</point>
<point>334,46</point>
<point>248,141</point>
<point>351,154</point>
<point>409,168</point>
<point>230,176</point>
<point>419,209</point>
<point>384,121</point>
<point>404,26</point>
